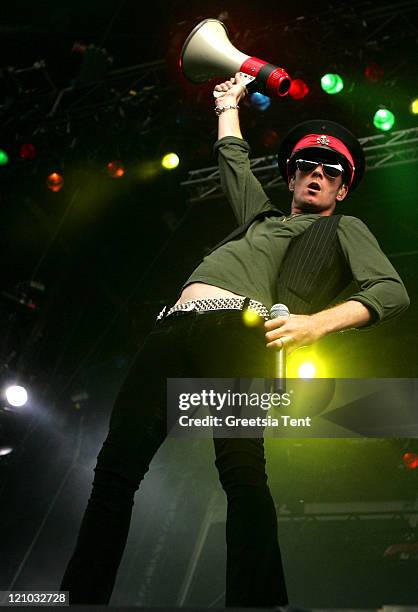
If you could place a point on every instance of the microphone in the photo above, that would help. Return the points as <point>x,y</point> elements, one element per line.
<point>279,382</point>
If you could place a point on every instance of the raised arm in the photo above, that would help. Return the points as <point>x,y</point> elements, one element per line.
<point>243,191</point>
<point>234,91</point>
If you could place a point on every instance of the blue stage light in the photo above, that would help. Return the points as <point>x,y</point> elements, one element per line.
<point>260,101</point>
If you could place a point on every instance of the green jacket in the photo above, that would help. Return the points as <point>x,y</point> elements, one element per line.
<point>250,264</point>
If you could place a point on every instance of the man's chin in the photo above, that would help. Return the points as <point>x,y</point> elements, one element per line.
<point>308,205</point>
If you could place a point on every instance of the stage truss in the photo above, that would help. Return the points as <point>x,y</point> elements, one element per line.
<point>381,151</point>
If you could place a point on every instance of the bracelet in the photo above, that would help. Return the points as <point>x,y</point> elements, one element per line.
<point>220,109</point>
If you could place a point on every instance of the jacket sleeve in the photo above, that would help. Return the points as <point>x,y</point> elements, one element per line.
<point>379,285</point>
<point>243,191</point>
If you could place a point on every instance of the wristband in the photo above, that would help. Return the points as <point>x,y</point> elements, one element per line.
<point>221,109</point>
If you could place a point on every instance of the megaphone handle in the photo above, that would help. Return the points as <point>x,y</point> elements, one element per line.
<point>247,78</point>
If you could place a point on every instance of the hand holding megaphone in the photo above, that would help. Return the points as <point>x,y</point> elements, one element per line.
<point>235,88</point>
<point>208,53</point>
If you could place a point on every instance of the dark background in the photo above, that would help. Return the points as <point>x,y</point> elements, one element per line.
<point>107,253</point>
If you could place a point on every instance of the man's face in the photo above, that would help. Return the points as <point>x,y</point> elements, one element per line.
<point>315,192</point>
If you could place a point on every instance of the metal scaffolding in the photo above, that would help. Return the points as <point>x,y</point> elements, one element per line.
<point>381,151</point>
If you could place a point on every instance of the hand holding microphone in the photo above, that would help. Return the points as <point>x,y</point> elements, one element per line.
<point>291,333</point>
<point>295,330</point>
<point>279,383</point>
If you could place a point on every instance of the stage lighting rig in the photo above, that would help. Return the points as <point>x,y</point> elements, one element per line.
<point>79,399</point>
<point>20,330</point>
<point>95,63</point>
<point>27,295</point>
<point>19,85</point>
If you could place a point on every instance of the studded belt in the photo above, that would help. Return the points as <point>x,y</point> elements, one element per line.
<point>238,303</point>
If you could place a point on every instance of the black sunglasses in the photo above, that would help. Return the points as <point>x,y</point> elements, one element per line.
<point>330,170</point>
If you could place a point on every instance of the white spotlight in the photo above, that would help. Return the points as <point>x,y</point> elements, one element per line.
<point>16,395</point>
<point>307,370</point>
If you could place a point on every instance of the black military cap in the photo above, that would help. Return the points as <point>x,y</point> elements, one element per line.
<point>325,140</point>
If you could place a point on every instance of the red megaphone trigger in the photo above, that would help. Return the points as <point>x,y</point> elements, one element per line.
<point>273,80</point>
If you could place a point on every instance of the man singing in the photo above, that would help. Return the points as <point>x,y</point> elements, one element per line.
<point>303,260</point>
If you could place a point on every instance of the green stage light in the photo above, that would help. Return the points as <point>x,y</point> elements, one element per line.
<point>384,120</point>
<point>332,83</point>
<point>4,158</point>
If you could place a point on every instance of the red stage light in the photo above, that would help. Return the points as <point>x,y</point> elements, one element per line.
<point>55,182</point>
<point>373,72</point>
<point>410,460</point>
<point>79,47</point>
<point>27,151</point>
<point>298,89</point>
<point>270,139</point>
<point>115,169</point>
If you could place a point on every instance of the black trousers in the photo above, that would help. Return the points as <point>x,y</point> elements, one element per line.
<point>212,344</point>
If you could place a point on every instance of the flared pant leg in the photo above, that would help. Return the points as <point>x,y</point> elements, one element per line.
<point>254,570</point>
<point>137,429</point>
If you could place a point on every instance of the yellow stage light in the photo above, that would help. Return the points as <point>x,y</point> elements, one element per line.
<point>306,363</point>
<point>170,161</point>
<point>250,319</point>
<point>307,369</point>
<point>414,106</point>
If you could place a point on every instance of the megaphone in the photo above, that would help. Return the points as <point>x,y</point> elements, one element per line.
<point>208,53</point>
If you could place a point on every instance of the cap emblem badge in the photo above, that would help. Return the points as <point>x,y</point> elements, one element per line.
<point>322,140</point>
